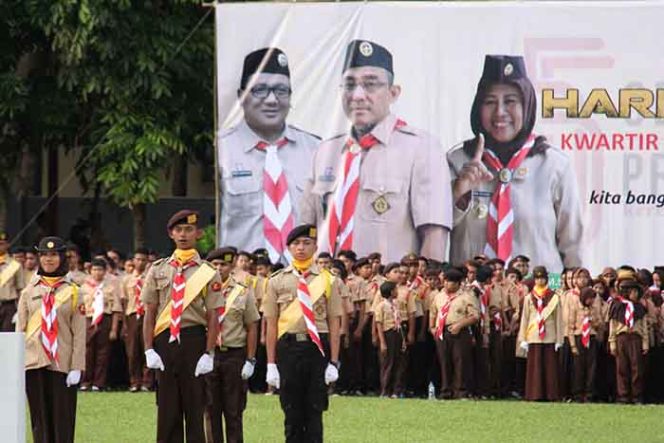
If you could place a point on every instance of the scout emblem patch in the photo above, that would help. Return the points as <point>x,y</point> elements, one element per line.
<point>216,286</point>
<point>282,60</point>
<point>191,219</point>
<point>355,148</point>
<point>380,205</point>
<point>366,49</point>
<point>521,172</point>
<point>50,245</point>
<point>508,69</point>
<point>482,210</point>
<point>505,175</point>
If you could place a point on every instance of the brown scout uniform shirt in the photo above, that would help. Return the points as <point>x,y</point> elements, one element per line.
<point>78,277</point>
<point>640,327</point>
<point>404,184</point>
<point>282,291</point>
<point>576,312</point>
<point>384,315</point>
<point>463,306</point>
<point>242,314</point>
<point>553,325</point>
<point>128,291</point>
<point>112,300</point>
<point>511,303</point>
<point>12,289</point>
<point>71,329</point>
<point>158,284</point>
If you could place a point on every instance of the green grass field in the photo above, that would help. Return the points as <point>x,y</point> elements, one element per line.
<point>123,417</point>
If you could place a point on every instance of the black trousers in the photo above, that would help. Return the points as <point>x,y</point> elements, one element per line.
<point>303,393</point>
<point>180,394</point>
<point>7,311</point>
<point>52,406</point>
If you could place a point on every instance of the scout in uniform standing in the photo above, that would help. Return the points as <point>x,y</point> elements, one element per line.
<point>513,293</point>
<point>360,319</point>
<point>140,377</point>
<point>235,354</point>
<point>103,311</point>
<point>303,311</point>
<point>540,337</point>
<point>392,343</point>
<point>30,266</point>
<point>452,312</point>
<point>259,153</point>
<point>50,313</point>
<point>404,198</point>
<point>418,364</point>
<point>181,295</point>
<point>510,177</point>
<point>12,282</point>
<point>76,273</point>
<point>628,340</point>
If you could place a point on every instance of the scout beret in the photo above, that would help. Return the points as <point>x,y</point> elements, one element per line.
<point>227,255</point>
<point>183,217</point>
<point>350,255</point>
<point>540,272</point>
<point>260,252</point>
<point>409,259</point>
<point>625,274</point>
<point>365,53</point>
<point>308,231</point>
<point>484,273</point>
<point>387,288</point>
<point>453,274</point>
<point>521,258</point>
<point>361,262</point>
<point>51,244</point>
<point>503,68</point>
<point>267,61</point>
<point>263,261</point>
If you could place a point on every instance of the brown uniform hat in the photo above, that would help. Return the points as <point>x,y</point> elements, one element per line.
<point>227,255</point>
<point>183,217</point>
<point>308,231</point>
<point>540,272</point>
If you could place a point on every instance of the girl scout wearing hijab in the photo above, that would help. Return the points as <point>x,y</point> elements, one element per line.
<point>513,192</point>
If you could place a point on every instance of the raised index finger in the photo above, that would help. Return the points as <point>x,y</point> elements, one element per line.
<point>479,148</point>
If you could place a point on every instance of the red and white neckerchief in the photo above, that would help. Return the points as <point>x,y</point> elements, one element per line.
<point>278,217</point>
<point>340,218</point>
<point>484,302</point>
<point>499,231</point>
<point>416,285</point>
<point>629,312</point>
<point>442,315</point>
<point>49,321</point>
<point>140,309</point>
<point>221,312</point>
<point>396,312</point>
<point>97,302</point>
<point>177,298</point>
<point>541,321</point>
<point>304,297</point>
<point>585,331</point>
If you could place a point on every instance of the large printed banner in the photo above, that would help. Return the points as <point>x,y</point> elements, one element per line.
<point>593,196</point>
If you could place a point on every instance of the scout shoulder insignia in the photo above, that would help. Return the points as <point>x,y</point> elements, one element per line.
<point>380,205</point>
<point>216,286</point>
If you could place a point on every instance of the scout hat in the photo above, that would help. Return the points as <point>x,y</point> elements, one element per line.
<point>51,244</point>
<point>540,272</point>
<point>266,60</point>
<point>453,274</point>
<point>227,255</point>
<point>183,217</point>
<point>365,53</point>
<point>307,231</point>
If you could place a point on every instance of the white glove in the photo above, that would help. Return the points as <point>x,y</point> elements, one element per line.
<point>15,318</point>
<point>331,374</point>
<point>272,377</point>
<point>247,370</point>
<point>152,360</point>
<point>205,365</point>
<point>557,346</point>
<point>524,346</point>
<point>73,378</point>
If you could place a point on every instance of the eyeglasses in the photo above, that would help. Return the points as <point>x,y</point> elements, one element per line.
<point>263,91</point>
<point>369,86</point>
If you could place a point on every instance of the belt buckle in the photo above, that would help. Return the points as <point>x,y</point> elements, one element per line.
<point>223,348</point>
<point>301,337</point>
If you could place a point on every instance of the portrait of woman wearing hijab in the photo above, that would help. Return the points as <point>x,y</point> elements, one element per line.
<point>514,193</point>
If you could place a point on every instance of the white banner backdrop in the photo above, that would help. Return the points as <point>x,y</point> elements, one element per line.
<point>606,52</point>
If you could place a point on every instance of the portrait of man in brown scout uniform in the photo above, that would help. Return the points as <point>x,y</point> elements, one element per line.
<point>259,155</point>
<point>403,199</point>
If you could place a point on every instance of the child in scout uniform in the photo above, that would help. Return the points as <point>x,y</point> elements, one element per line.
<point>103,310</point>
<point>417,362</point>
<point>263,270</point>
<point>181,295</point>
<point>12,281</point>
<point>50,313</point>
<point>452,312</point>
<point>540,337</point>
<point>359,317</point>
<point>140,377</point>
<point>583,324</point>
<point>303,311</point>
<point>235,354</point>
<point>391,339</point>
<point>405,301</point>
<point>628,340</point>
<point>513,296</point>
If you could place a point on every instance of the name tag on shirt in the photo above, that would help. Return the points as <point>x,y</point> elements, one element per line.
<point>241,173</point>
<point>482,194</point>
<point>328,175</point>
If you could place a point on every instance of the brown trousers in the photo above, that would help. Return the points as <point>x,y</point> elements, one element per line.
<point>180,394</point>
<point>629,368</point>
<point>390,362</point>
<point>7,311</point>
<point>226,395</point>
<point>542,372</point>
<point>585,363</point>
<point>52,406</point>
<point>402,364</point>
<point>352,369</point>
<point>97,352</point>
<point>139,374</point>
<point>455,355</point>
<point>495,363</point>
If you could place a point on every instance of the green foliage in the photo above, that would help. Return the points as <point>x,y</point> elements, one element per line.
<point>208,241</point>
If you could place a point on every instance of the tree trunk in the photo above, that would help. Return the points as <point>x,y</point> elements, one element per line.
<point>179,184</point>
<point>138,211</point>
